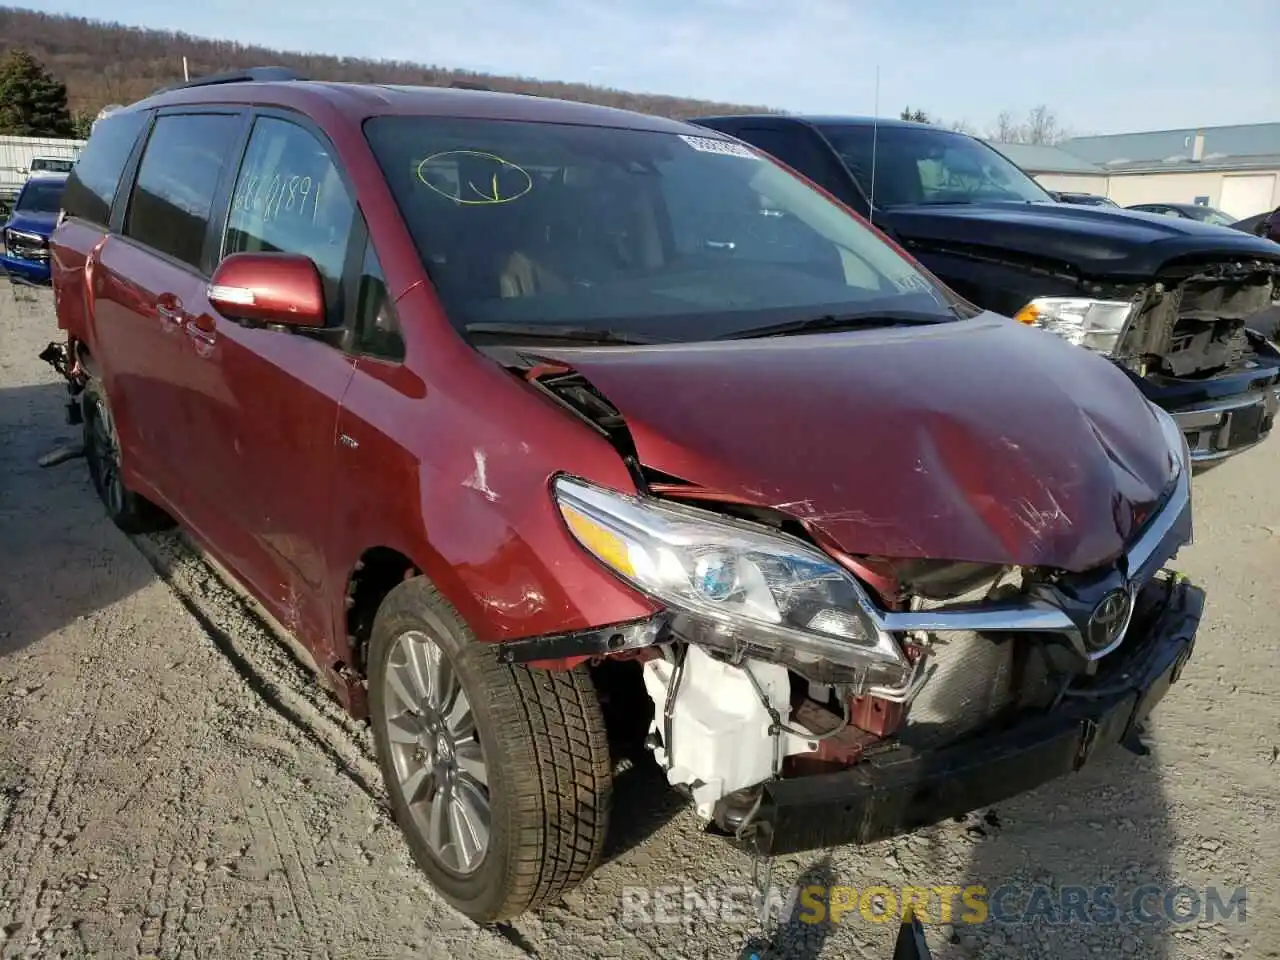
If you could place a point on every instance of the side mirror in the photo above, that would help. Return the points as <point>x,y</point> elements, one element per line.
<point>281,288</point>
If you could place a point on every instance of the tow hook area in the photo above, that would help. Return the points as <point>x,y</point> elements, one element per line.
<point>58,357</point>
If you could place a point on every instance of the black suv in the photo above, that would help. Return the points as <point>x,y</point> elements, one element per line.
<point>1166,299</point>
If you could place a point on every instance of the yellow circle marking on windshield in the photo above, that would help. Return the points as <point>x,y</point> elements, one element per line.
<point>471,193</point>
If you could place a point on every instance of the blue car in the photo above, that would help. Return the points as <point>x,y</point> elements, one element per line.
<point>26,234</point>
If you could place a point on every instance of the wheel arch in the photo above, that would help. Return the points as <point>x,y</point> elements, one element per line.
<point>375,573</point>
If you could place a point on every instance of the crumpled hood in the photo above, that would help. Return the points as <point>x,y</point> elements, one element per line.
<point>1096,241</point>
<point>41,224</point>
<point>978,440</point>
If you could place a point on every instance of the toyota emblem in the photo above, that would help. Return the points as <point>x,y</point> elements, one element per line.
<point>1109,621</point>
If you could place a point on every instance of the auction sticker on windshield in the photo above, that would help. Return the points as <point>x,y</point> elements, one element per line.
<point>723,147</point>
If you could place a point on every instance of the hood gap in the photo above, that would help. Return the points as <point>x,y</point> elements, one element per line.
<point>570,389</point>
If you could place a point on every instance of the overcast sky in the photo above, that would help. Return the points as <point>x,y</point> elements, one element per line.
<point>1105,66</point>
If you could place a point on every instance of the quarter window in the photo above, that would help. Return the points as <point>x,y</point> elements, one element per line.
<point>377,325</point>
<point>177,179</point>
<point>289,198</point>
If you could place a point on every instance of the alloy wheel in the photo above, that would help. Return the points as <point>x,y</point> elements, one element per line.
<point>435,749</point>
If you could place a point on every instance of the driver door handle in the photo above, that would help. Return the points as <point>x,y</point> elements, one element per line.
<point>170,308</point>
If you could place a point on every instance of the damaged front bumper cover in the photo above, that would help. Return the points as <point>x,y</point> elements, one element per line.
<point>900,791</point>
<point>1227,414</point>
<point>1217,429</point>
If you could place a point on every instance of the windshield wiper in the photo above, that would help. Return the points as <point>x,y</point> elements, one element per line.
<point>551,331</point>
<point>851,321</point>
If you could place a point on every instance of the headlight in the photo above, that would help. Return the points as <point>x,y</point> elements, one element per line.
<point>1096,324</point>
<point>21,236</point>
<point>745,588</point>
<point>25,246</point>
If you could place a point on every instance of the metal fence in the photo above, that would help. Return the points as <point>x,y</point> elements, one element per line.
<point>16,154</point>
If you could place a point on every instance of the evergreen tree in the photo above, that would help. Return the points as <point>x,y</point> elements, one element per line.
<point>32,102</point>
<point>919,116</point>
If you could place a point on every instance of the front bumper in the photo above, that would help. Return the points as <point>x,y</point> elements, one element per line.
<point>901,791</point>
<point>1226,414</point>
<point>25,271</point>
<point>1219,429</point>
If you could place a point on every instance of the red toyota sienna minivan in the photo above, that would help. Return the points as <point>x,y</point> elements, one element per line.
<point>553,431</point>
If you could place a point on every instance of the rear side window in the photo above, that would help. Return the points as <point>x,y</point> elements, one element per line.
<point>289,198</point>
<point>177,179</point>
<point>93,181</point>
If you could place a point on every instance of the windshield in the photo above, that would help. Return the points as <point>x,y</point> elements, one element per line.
<point>916,165</point>
<point>1210,215</point>
<point>51,165</point>
<point>40,197</point>
<point>657,234</point>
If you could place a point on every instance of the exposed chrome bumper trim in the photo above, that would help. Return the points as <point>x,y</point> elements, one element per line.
<point>988,618</point>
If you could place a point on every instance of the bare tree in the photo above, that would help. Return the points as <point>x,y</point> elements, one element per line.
<point>1006,129</point>
<point>1040,127</point>
<point>113,84</point>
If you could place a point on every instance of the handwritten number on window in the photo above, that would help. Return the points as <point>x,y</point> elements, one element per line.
<point>285,195</point>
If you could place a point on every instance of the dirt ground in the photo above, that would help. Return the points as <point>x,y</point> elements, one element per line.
<point>171,783</point>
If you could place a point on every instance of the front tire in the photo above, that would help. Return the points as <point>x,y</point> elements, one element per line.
<point>499,776</point>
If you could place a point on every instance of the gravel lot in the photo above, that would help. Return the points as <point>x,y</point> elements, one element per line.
<point>171,784</point>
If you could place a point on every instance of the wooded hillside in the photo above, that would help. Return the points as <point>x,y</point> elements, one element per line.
<point>104,63</point>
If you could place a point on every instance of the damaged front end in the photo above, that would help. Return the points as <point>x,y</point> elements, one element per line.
<point>783,689</point>
<point>1185,339</point>
<point>805,698</point>
<point>1219,380</point>
<point>1191,323</point>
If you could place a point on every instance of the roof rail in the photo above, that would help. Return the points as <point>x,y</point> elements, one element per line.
<point>251,75</point>
<point>469,85</point>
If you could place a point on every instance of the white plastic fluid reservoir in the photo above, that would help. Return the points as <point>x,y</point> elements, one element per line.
<point>720,739</point>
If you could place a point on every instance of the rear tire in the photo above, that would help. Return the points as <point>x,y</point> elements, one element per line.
<point>527,747</point>
<point>129,511</point>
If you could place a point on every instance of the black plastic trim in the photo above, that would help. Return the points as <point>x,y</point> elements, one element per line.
<point>598,641</point>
